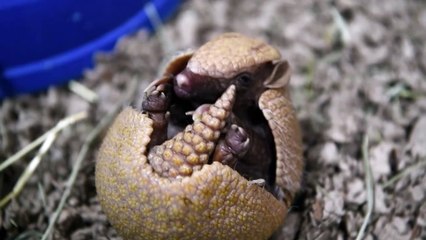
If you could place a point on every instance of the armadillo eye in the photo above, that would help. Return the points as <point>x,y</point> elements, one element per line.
<point>244,80</point>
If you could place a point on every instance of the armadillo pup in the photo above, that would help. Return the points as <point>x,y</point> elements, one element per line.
<point>214,152</point>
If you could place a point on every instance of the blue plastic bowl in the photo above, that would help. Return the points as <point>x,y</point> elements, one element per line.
<point>49,42</point>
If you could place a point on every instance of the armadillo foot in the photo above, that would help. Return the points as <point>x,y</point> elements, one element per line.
<point>156,105</point>
<point>157,99</point>
<point>232,147</point>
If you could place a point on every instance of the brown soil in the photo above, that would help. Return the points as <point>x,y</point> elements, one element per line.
<point>359,70</point>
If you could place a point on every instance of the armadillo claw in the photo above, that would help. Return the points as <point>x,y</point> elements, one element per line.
<point>233,147</point>
<point>157,98</point>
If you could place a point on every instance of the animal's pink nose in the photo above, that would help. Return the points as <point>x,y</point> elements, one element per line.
<point>182,81</point>
<point>182,85</point>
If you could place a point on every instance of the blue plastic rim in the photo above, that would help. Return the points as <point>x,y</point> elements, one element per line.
<point>49,42</point>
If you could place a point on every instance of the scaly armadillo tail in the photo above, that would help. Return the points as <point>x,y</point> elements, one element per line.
<point>190,150</point>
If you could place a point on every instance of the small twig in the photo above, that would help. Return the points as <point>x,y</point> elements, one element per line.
<point>82,91</point>
<point>42,195</point>
<point>154,18</point>
<point>341,26</point>
<point>3,134</point>
<point>61,125</point>
<point>50,138</point>
<point>12,159</point>
<point>406,171</point>
<point>29,170</point>
<point>92,136</point>
<point>29,234</point>
<point>370,188</point>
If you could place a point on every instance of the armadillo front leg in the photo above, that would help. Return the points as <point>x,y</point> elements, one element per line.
<point>232,147</point>
<point>156,105</point>
<point>249,150</point>
<point>191,149</point>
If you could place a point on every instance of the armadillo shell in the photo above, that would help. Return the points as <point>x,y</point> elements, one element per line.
<point>213,203</point>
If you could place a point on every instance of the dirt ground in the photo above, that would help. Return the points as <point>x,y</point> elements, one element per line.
<point>359,70</point>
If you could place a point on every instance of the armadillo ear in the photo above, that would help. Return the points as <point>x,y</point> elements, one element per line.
<point>280,76</point>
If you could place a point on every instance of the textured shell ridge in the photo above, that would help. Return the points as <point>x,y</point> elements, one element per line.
<point>230,53</point>
<point>279,112</point>
<point>186,199</point>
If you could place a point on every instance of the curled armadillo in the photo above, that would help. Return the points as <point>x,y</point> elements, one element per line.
<point>229,170</point>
